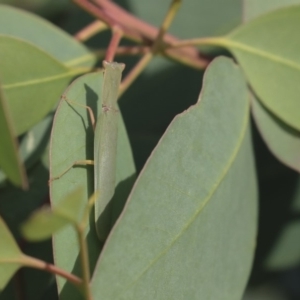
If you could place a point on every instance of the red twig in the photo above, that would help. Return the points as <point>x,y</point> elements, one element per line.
<point>140,31</point>
<point>117,34</point>
<point>90,30</point>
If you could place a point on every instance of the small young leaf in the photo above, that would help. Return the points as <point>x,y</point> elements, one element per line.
<point>42,224</point>
<point>10,255</point>
<point>45,222</point>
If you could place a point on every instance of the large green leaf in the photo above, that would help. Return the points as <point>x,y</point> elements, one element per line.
<point>271,61</point>
<point>282,140</point>
<point>10,161</point>
<point>254,8</point>
<point>43,34</point>
<point>32,81</point>
<point>10,255</point>
<point>172,240</point>
<point>73,139</point>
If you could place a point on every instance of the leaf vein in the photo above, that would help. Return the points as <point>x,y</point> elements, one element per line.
<point>202,206</point>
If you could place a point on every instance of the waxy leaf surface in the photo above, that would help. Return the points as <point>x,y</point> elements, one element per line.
<point>172,241</point>
<point>267,49</point>
<point>72,139</point>
<point>254,8</point>
<point>43,34</point>
<point>32,81</point>
<point>282,140</point>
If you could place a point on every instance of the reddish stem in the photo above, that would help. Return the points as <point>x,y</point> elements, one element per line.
<point>140,31</point>
<point>117,34</point>
<point>42,265</point>
<point>90,30</point>
<point>132,50</point>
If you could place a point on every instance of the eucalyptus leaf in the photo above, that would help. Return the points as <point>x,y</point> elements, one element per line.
<point>10,255</point>
<point>254,8</point>
<point>72,139</point>
<point>34,144</point>
<point>10,161</point>
<point>172,241</point>
<point>32,81</point>
<point>271,61</point>
<point>282,140</point>
<point>43,34</point>
<point>45,222</point>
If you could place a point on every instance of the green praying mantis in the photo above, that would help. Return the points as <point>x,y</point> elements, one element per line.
<point>105,146</point>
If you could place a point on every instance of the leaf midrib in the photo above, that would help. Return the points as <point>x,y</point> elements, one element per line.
<point>80,60</point>
<point>71,73</point>
<point>231,44</point>
<point>204,203</point>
